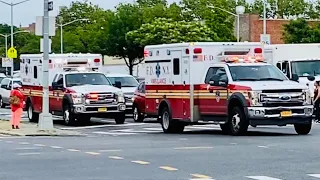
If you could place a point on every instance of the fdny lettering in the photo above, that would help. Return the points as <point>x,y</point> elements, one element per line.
<point>208,58</point>
<point>159,81</point>
<point>165,69</point>
<point>150,70</point>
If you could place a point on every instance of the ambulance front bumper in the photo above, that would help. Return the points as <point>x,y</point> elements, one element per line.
<point>93,109</point>
<point>279,115</point>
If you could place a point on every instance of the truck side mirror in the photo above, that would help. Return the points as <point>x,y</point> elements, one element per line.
<point>56,86</point>
<point>214,80</point>
<point>117,84</point>
<point>3,86</point>
<point>295,77</point>
<point>311,78</point>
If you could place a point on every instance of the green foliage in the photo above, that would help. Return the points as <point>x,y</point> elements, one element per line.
<point>299,31</point>
<point>163,31</point>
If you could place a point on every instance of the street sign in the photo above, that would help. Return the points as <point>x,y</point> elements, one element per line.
<point>12,53</point>
<point>265,39</point>
<point>50,6</point>
<point>52,26</point>
<point>7,62</point>
<point>41,45</point>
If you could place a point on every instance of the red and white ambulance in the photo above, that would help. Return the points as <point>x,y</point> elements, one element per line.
<point>78,90</point>
<point>221,83</point>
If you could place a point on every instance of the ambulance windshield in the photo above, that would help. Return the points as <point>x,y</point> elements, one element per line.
<point>79,79</point>
<point>306,68</point>
<point>125,81</point>
<point>256,73</point>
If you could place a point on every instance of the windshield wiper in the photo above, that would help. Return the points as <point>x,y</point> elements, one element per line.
<point>246,79</point>
<point>270,79</point>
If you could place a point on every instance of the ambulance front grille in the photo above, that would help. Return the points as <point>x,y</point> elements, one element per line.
<point>104,98</point>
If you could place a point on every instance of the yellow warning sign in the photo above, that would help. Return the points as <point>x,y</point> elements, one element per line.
<point>12,53</point>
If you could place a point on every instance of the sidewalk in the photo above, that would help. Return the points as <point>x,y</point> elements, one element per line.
<point>28,129</point>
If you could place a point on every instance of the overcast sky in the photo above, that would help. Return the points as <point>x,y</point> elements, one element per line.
<point>26,13</point>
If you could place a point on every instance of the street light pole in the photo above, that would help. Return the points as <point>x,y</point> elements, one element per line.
<point>264,17</point>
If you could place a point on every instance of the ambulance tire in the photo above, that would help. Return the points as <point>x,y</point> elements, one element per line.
<point>32,116</point>
<point>120,118</point>
<point>2,105</point>
<point>224,128</point>
<point>137,116</point>
<point>303,129</point>
<point>68,116</point>
<point>237,122</point>
<point>168,124</point>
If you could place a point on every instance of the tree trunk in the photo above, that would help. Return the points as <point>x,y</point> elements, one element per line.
<point>131,69</point>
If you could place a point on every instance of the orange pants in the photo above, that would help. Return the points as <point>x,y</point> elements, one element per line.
<point>16,117</point>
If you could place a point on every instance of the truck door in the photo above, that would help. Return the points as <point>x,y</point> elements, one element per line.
<point>56,100</point>
<point>214,101</point>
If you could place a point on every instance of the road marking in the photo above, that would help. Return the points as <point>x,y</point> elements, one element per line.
<point>183,139</point>
<point>25,154</point>
<point>40,145</point>
<point>262,178</point>
<point>9,141</point>
<point>101,126</point>
<point>111,150</point>
<point>153,129</point>
<point>115,157</point>
<point>141,162</point>
<point>56,147</point>
<point>113,133</point>
<point>92,153</point>
<point>168,168</point>
<point>263,146</point>
<point>24,143</point>
<point>314,175</point>
<point>186,148</point>
<point>234,143</point>
<point>28,148</point>
<point>201,176</point>
<point>73,150</point>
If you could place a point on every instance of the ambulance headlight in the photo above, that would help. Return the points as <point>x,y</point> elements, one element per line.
<point>254,98</point>
<point>120,97</point>
<point>307,97</point>
<point>77,98</point>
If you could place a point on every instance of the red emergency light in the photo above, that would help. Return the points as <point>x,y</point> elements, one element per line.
<point>146,53</point>
<point>197,50</point>
<point>96,60</point>
<point>257,50</point>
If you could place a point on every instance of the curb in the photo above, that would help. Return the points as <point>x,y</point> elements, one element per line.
<point>39,134</point>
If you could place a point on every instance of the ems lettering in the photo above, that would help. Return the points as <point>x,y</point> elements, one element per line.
<point>165,69</point>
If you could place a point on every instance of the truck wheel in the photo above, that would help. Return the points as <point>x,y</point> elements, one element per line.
<point>168,124</point>
<point>32,116</point>
<point>120,118</point>
<point>2,105</point>
<point>84,120</point>
<point>237,122</point>
<point>303,129</point>
<point>224,128</point>
<point>68,116</point>
<point>137,116</point>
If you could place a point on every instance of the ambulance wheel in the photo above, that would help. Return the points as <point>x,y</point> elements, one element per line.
<point>120,118</point>
<point>32,116</point>
<point>137,116</point>
<point>168,124</point>
<point>2,105</point>
<point>238,124</point>
<point>68,116</point>
<point>224,128</point>
<point>303,129</point>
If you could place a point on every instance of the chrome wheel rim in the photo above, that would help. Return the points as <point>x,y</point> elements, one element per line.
<point>236,122</point>
<point>135,114</point>
<point>30,112</point>
<point>66,116</point>
<point>165,120</point>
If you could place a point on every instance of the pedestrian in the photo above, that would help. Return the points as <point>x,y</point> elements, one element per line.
<point>16,103</point>
<point>316,100</point>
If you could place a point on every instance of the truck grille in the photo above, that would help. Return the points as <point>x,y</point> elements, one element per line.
<point>282,99</point>
<point>282,90</point>
<point>101,98</point>
<point>128,97</point>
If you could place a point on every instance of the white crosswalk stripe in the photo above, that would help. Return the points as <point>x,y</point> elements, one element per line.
<point>314,175</point>
<point>262,178</point>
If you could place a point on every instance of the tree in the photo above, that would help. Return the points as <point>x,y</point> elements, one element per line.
<point>163,31</point>
<point>297,31</point>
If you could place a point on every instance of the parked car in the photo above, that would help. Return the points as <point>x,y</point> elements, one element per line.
<point>6,85</point>
<point>139,102</point>
<point>128,86</point>
<point>2,76</point>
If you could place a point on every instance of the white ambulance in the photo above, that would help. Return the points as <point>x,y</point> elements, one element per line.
<point>78,90</point>
<point>221,83</point>
<point>300,62</point>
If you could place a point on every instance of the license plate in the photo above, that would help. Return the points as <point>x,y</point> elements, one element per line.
<point>286,113</point>
<point>102,110</point>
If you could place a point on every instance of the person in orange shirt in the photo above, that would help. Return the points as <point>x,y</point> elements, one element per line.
<point>16,109</point>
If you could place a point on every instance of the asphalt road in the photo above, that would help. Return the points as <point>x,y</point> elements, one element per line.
<point>139,151</point>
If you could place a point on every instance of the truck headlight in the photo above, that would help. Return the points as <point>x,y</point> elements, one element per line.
<point>254,98</point>
<point>120,97</point>
<point>77,98</point>
<point>307,96</point>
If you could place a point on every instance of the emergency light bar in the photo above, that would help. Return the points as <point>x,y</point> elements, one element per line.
<point>243,59</point>
<point>79,69</point>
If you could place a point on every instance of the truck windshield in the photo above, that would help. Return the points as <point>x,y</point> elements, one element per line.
<point>80,79</point>
<point>306,68</point>
<point>125,81</point>
<point>256,73</point>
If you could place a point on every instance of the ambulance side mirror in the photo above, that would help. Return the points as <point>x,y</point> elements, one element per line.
<point>56,86</point>
<point>295,77</point>
<point>117,84</point>
<point>214,80</point>
<point>311,78</point>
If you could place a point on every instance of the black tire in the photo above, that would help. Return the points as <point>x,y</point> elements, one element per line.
<point>137,116</point>
<point>69,117</point>
<point>303,129</point>
<point>84,120</point>
<point>168,124</point>
<point>2,105</point>
<point>224,128</point>
<point>242,126</point>
<point>32,116</point>
<point>120,118</point>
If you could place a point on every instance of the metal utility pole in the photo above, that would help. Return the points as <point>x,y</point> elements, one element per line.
<point>264,17</point>
<point>45,119</point>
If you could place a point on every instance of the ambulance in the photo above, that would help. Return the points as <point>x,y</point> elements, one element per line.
<point>78,90</point>
<point>300,62</point>
<point>221,83</point>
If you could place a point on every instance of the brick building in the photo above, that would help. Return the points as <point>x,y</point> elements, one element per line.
<point>251,26</point>
<point>31,28</point>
